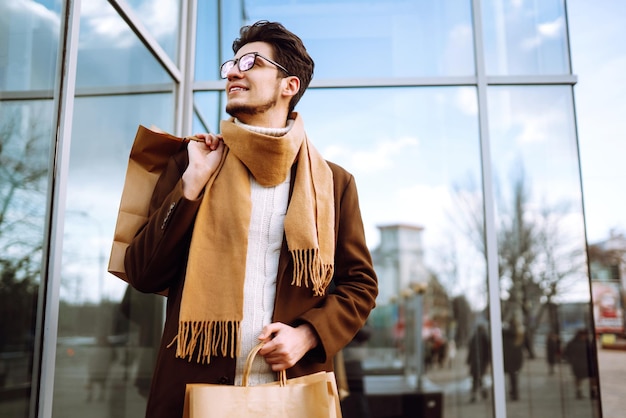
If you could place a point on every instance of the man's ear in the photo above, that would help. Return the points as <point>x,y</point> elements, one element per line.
<point>291,86</point>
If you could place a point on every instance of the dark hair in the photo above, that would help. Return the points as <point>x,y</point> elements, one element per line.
<point>289,51</point>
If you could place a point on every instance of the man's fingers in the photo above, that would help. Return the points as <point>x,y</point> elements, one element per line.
<point>210,140</point>
<point>269,331</point>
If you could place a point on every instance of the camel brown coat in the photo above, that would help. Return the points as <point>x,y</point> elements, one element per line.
<point>156,261</point>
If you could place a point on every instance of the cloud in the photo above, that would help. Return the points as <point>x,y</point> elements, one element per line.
<point>370,160</point>
<point>458,52</point>
<point>466,101</point>
<point>552,29</point>
<point>545,31</point>
<point>531,115</point>
<point>29,8</point>
<point>102,24</point>
<point>540,127</point>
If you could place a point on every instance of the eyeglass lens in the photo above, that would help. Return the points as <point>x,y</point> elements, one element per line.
<point>244,63</point>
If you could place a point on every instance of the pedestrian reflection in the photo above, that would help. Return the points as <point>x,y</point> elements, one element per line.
<point>478,359</point>
<point>512,344</point>
<point>578,353</point>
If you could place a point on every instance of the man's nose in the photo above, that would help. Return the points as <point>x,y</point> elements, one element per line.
<point>234,72</point>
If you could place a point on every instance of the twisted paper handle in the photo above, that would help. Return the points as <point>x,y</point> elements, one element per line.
<point>282,375</point>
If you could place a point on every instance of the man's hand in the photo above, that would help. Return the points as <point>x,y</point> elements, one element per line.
<point>285,345</point>
<point>204,157</point>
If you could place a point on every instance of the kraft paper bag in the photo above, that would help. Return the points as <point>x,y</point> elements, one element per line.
<point>311,396</point>
<point>149,155</point>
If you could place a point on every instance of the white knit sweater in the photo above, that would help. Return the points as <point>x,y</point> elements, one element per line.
<point>265,238</point>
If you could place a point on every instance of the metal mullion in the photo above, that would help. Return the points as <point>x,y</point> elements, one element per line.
<point>565,79</point>
<point>16,95</point>
<point>208,86</point>
<point>532,80</point>
<point>123,90</point>
<point>48,319</point>
<point>187,47</point>
<point>568,51</point>
<point>364,83</point>
<point>394,82</point>
<point>146,38</point>
<point>491,244</point>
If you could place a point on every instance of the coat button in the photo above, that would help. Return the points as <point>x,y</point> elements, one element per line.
<point>223,380</point>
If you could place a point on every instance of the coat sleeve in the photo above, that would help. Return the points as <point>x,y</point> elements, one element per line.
<point>158,252</point>
<point>344,311</point>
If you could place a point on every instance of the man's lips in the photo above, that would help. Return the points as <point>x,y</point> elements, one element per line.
<point>233,89</point>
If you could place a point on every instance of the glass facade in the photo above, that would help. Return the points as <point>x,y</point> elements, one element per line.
<point>457,120</point>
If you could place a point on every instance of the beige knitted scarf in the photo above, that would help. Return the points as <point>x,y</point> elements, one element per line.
<point>212,301</point>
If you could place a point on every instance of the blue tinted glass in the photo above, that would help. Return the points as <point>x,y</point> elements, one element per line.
<point>162,19</point>
<point>525,38</point>
<point>26,130</point>
<point>397,38</point>
<point>29,39</point>
<point>106,332</point>
<point>110,54</point>
<point>542,262</point>
<point>415,157</point>
<point>208,57</point>
<point>208,108</point>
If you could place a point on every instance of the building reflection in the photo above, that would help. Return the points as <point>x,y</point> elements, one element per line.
<point>428,347</point>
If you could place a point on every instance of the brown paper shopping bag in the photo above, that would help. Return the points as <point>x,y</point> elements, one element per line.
<point>311,396</point>
<point>148,157</point>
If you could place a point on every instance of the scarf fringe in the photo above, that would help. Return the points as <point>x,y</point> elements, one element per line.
<point>208,338</point>
<point>308,268</point>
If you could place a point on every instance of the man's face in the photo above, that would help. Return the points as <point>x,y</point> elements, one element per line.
<point>256,91</point>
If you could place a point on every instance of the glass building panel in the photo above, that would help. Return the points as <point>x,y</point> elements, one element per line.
<point>162,20</point>
<point>29,38</point>
<point>374,38</point>
<point>218,27</point>
<point>208,55</point>
<point>110,54</point>
<point>108,334</point>
<point>209,110</point>
<point>525,37</point>
<point>26,129</point>
<point>541,246</point>
<point>415,156</point>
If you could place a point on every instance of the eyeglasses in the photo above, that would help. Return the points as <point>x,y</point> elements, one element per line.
<point>245,63</point>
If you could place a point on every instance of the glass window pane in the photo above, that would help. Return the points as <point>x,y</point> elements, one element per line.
<point>415,156</point>
<point>25,138</point>
<point>162,19</point>
<point>110,54</point>
<point>525,37</point>
<point>208,108</point>
<point>107,334</point>
<point>29,38</point>
<point>208,58</point>
<point>542,251</point>
<point>398,38</point>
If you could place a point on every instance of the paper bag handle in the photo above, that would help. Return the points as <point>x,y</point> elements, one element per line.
<point>282,375</point>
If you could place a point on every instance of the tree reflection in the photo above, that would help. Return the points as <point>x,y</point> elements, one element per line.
<point>539,257</point>
<point>23,180</point>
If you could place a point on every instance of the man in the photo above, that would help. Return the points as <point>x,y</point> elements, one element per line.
<point>579,354</point>
<point>512,345</point>
<point>254,236</point>
<point>478,359</point>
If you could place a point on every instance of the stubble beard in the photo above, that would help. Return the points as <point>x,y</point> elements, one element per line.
<point>236,109</point>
